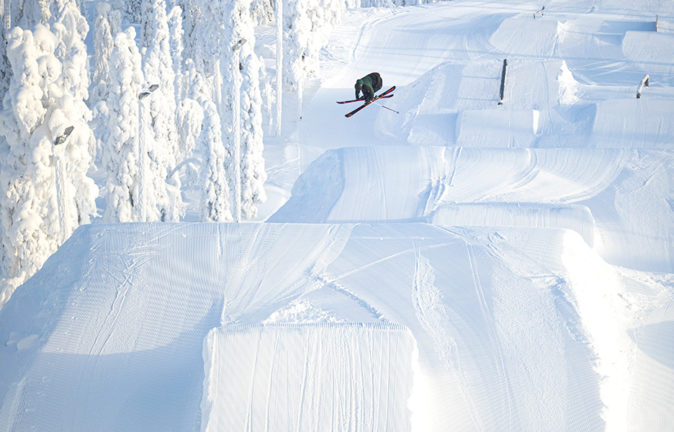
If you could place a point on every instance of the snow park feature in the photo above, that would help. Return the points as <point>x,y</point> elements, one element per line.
<point>488,250</point>
<point>347,358</point>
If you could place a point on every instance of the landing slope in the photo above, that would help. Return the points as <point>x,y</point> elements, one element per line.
<point>94,342</point>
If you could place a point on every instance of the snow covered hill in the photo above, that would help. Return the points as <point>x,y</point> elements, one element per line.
<point>461,265</point>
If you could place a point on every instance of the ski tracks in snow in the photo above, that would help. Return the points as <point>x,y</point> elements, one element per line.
<point>433,317</point>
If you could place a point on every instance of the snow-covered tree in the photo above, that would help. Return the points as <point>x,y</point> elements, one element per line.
<point>230,69</point>
<point>70,28</point>
<point>32,118</point>
<point>107,25</point>
<point>262,11</point>
<point>175,24</point>
<point>45,104</point>
<point>190,119</point>
<point>204,37</point>
<point>240,103</point>
<point>205,48</point>
<point>296,35</point>
<point>120,153</point>
<point>160,122</point>
<point>305,23</point>
<point>216,194</point>
<point>5,70</point>
<point>253,173</point>
<point>132,12</point>
<point>32,12</point>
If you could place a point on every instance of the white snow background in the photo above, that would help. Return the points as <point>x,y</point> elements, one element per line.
<point>459,265</point>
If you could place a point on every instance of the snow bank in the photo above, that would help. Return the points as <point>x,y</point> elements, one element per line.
<point>664,24</point>
<point>400,182</point>
<point>626,193</point>
<point>506,128</point>
<point>307,377</point>
<point>652,51</point>
<point>522,35</point>
<point>596,36</point>
<point>572,217</point>
<point>457,104</point>
<point>634,123</point>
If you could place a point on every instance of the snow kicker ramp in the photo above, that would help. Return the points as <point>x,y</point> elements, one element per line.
<point>328,327</point>
<point>618,200</point>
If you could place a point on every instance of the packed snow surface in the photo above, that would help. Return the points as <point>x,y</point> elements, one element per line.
<point>458,265</point>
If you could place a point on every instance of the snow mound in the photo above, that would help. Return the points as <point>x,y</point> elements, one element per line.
<point>291,373</point>
<point>506,128</point>
<point>652,51</point>
<point>457,104</point>
<point>628,194</point>
<point>634,123</point>
<point>522,35</point>
<point>119,344</point>
<point>443,328</point>
<point>594,37</point>
<point>664,24</point>
<point>400,182</point>
<point>572,217</point>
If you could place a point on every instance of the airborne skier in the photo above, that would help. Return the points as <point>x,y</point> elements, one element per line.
<point>368,85</point>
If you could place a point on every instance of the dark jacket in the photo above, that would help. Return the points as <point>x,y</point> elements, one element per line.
<point>369,85</point>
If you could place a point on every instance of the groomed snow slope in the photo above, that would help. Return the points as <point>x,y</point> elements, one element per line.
<point>497,267</point>
<point>618,200</point>
<point>469,329</point>
<point>94,343</point>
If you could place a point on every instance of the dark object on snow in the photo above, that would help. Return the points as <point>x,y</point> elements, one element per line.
<point>61,139</point>
<point>503,77</point>
<point>644,83</point>
<point>147,93</point>
<point>368,85</point>
<point>539,12</point>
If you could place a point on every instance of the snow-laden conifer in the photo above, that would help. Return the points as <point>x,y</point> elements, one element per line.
<point>158,118</point>
<point>31,229</point>
<point>32,12</point>
<point>204,42</point>
<point>190,118</point>
<point>175,24</point>
<point>5,69</point>
<point>48,143</point>
<point>216,194</point>
<point>80,191</point>
<point>262,11</point>
<point>107,24</point>
<point>253,173</point>
<point>132,10</point>
<point>305,24</point>
<point>120,154</point>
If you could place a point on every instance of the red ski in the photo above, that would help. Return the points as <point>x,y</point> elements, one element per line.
<point>382,95</point>
<point>361,100</point>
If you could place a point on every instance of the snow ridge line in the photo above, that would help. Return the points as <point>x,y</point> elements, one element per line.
<point>369,325</point>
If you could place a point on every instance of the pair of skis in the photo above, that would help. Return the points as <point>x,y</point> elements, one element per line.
<point>387,94</point>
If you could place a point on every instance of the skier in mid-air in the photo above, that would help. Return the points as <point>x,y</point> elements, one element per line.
<point>368,85</point>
